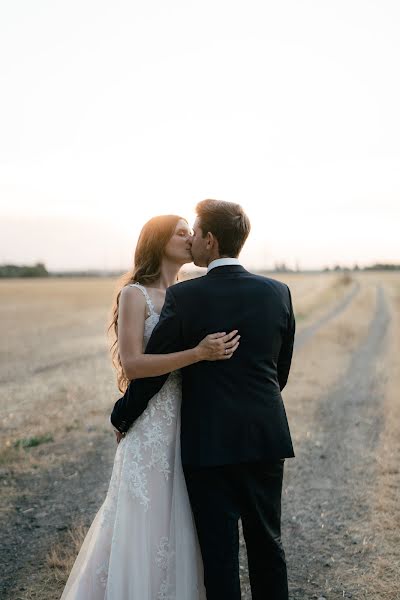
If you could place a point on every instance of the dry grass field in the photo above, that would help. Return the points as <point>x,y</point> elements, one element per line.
<point>341,514</point>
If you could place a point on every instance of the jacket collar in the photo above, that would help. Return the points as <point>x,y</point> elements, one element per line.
<point>222,262</point>
<point>216,271</point>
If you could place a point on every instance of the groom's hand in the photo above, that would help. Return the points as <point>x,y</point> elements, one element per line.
<point>118,435</point>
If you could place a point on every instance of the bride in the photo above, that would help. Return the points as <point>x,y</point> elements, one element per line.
<point>142,544</point>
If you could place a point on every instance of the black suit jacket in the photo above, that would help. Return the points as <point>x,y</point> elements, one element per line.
<point>232,410</point>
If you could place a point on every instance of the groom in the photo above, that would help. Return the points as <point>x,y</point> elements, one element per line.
<point>235,434</point>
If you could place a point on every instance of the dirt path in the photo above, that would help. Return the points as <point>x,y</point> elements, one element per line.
<point>325,491</point>
<point>321,484</point>
<point>306,333</point>
<point>326,494</point>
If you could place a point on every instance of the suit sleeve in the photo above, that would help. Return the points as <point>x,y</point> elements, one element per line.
<point>166,338</point>
<point>286,351</point>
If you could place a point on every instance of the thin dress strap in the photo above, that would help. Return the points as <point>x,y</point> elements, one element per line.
<point>146,295</point>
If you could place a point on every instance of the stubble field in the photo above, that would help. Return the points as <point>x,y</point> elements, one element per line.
<point>341,513</point>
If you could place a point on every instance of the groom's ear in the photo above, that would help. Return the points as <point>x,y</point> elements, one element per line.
<point>212,241</point>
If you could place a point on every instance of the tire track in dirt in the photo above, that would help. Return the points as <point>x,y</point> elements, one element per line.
<point>306,333</point>
<point>327,483</point>
<point>67,362</point>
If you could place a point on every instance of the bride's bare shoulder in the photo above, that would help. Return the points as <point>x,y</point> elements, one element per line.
<point>132,295</point>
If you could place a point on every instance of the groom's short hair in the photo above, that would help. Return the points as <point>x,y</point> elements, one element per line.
<point>227,221</point>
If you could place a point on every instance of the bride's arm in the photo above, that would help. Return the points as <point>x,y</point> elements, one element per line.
<point>136,364</point>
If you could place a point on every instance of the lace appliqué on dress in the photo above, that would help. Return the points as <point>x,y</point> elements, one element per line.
<point>137,479</point>
<point>156,441</point>
<point>102,574</point>
<point>148,441</point>
<point>162,559</point>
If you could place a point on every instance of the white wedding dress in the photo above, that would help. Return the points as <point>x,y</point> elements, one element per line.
<point>142,544</point>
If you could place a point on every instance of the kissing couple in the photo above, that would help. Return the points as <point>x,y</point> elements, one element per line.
<point>201,428</point>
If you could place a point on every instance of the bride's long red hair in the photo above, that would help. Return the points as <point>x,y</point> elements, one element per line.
<point>150,247</point>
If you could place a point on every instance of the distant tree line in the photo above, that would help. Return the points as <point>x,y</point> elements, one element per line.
<point>283,268</point>
<point>37,270</point>
<point>375,267</point>
<point>382,267</point>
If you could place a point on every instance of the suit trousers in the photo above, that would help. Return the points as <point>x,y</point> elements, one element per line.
<point>219,496</point>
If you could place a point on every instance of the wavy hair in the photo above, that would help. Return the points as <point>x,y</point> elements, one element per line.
<point>227,221</point>
<point>149,252</point>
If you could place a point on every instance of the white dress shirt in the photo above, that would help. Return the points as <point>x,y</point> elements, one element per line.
<point>222,262</point>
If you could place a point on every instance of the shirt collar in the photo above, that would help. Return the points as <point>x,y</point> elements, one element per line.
<point>222,262</point>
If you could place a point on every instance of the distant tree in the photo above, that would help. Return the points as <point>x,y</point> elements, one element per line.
<point>382,267</point>
<point>38,270</point>
<point>281,267</point>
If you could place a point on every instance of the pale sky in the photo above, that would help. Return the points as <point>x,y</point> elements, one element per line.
<point>112,112</point>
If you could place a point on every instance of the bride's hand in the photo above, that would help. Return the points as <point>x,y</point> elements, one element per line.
<point>120,436</point>
<point>218,346</point>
